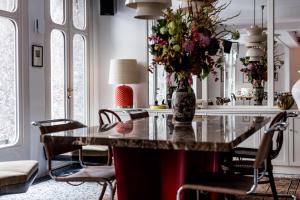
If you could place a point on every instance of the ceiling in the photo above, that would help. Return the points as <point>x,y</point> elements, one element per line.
<point>285,11</point>
<point>287,17</point>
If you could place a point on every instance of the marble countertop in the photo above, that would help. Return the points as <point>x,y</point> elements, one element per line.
<point>206,133</point>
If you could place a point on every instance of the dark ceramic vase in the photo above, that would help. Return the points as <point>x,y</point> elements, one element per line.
<point>183,103</point>
<point>258,93</point>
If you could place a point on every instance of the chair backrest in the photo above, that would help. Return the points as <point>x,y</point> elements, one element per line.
<point>280,117</point>
<point>265,148</point>
<point>56,125</point>
<point>138,115</point>
<point>106,116</point>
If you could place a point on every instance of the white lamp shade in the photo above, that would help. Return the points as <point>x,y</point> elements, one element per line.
<point>134,3</point>
<point>254,52</point>
<point>148,9</point>
<point>185,5</point>
<point>123,71</point>
<point>254,30</point>
<point>255,45</point>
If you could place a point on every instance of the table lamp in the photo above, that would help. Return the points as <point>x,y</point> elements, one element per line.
<point>123,71</point>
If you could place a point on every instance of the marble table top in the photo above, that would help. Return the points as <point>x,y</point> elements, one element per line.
<point>218,133</point>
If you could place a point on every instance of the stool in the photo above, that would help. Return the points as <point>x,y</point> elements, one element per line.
<point>17,176</point>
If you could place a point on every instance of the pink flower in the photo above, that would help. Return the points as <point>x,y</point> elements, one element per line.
<point>188,46</point>
<point>190,80</point>
<point>250,66</point>
<point>168,78</point>
<point>204,40</point>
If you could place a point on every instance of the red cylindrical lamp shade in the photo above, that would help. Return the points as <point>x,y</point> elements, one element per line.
<point>124,96</point>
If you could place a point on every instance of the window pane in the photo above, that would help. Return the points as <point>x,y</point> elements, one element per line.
<point>57,74</point>
<point>8,5</point>
<point>79,13</point>
<point>8,82</point>
<point>79,78</point>
<point>57,11</point>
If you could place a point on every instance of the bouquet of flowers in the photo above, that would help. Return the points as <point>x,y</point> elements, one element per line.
<point>189,42</point>
<point>256,72</point>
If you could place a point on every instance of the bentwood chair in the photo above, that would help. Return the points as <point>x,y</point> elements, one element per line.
<point>70,173</point>
<point>244,157</point>
<point>106,118</point>
<point>238,184</point>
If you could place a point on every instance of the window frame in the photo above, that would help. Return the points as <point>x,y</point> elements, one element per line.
<point>69,31</point>
<point>19,17</point>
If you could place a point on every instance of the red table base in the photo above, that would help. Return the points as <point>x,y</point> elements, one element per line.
<point>150,174</point>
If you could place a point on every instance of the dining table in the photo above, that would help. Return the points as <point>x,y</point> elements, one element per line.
<point>154,156</point>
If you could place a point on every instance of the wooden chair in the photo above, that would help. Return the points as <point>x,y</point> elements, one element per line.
<point>17,176</point>
<point>106,118</point>
<point>138,114</point>
<point>243,158</point>
<point>238,184</point>
<point>104,175</point>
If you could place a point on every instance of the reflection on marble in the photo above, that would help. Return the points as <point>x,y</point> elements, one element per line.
<point>205,133</point>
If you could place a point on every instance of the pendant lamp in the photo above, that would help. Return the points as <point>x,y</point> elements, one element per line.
<point>148,9</point>
<point>256,41</point>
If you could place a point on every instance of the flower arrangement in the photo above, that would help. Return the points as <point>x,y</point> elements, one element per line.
<point>256,72</point>
<point>189,42</point>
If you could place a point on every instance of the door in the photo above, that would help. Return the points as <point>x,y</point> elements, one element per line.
<point>67,31</point>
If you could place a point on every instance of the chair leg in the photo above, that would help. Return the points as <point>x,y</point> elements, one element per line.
<point>111,190</point>
<point>272,183</point>
<point>103,191</point>
<point>114,188</point>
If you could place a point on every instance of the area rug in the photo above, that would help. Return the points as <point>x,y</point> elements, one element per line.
<point>283,186</point>
<point>51,190</point>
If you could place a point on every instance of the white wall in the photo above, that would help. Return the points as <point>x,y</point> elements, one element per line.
<point>118,36</point>
<point>33,86</point>
<point>36,83</point>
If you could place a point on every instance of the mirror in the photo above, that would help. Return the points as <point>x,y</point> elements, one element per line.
<point>231,79</point>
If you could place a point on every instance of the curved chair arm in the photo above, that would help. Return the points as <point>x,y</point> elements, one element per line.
<point>41,123</point>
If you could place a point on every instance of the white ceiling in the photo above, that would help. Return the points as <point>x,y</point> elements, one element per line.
<point>285,11</point>
<point>287,17</point>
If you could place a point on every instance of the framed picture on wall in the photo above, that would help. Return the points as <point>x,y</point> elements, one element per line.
<point>37,56</point>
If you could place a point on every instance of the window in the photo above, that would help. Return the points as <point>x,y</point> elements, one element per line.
<point>79,78</point>
<point>8,5</point>
<point>79,14</point>
<point>57,11</point>
<point>9,92</point>
<point>57,74</point>
<point>68,51</point>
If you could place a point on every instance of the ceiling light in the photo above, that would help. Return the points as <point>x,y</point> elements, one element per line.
<point>148,9</point>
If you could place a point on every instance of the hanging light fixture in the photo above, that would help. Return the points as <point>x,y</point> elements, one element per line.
<point>148,9</point>
<point>255,41</point>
